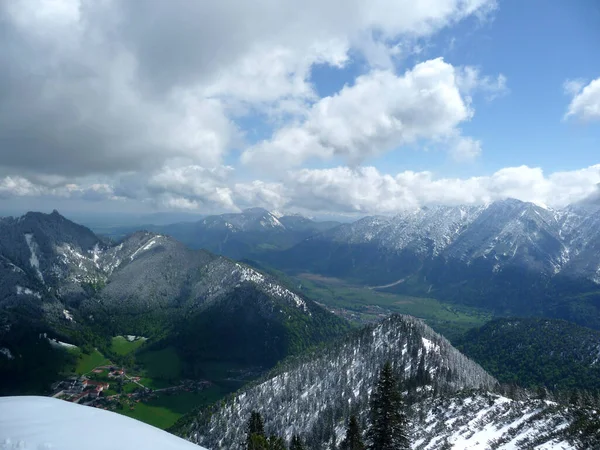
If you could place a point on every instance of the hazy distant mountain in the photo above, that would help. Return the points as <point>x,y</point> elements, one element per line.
<point>241,235</point>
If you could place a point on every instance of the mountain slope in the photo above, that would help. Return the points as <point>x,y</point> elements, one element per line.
<point>450,405</point>
<point>63,280</point>
<point>43,422</point>
<point>313,395</point>
<point>484,421</point>
<point>534,352</point>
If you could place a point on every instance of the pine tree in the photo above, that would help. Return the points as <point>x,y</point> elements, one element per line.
<point>296,443</point>
<point>257,442</point>
<point>353,439</point>
<point>276,443</point>
<point>255,432</point>
<point>388,428</point>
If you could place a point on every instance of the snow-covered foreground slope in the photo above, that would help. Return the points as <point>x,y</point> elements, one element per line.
<point>48,423</point>
<point>489,421</point>
<point>313,395</point>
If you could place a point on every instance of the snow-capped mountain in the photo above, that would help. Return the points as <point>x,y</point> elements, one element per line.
<point>312,396</point>
<point>507,232</point>
<point>251,219</point>
<point>48,423</point>
<point>453,402</point>
<point>65,279</point>
<point>243,235</point>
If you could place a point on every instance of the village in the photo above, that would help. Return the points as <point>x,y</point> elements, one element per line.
<point>109,387</point>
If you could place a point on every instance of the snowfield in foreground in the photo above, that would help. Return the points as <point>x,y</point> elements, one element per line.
<point>47,423</point>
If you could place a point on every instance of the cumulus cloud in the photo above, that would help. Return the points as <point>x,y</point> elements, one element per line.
<point>585,104</point>
<point>380,112</point>
<point>470,80</point>
<point>466,149</point>
<point>365,190</point>
<point>22,187</point>
<point>189,187</point>
<point>112,86</point>
<point>359,190</point>
<point>114,99</point>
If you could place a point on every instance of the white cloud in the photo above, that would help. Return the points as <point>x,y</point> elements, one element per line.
<point>101,103</point>
<point>364,190</point>
<point>268,195</point>
<point>100,85</point>
<point>15,186</point>
<point>359,190</point>
<point>573,87</point>
<point>380,112</point>
<point>192,185</point>
<point>470,80</point>
<point>466,149</point>
<point>585,104</point>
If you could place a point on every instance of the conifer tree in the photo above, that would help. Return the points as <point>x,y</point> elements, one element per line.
<point>388,428</point>
<point>296,443</point>
<point>276,443</point>
<point>257,442</point>
<point>353,439</point>
<point>255,432</point>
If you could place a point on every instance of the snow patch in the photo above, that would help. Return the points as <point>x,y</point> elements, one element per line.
<point>248,274</point>
<point>26,291</point>
<point>67,315</point>
<point>430,346</point>
<point>146,247</point>
<point>6,352</point>
<point>57,343</point>
<point>33,259</point>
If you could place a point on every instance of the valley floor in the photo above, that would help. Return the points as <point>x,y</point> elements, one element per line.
<point>152,389</point>
<point>366,304</point>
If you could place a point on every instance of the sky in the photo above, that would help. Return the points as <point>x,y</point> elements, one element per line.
<point>349,107</point>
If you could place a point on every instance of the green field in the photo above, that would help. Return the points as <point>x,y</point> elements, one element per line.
<point>121,346</point>
<point>163,411</point>
<point>364,304</point>
<point>160,365</point>
<point>85,362</point>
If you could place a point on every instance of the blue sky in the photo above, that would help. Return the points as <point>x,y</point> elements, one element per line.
<point>537,45</point>
<point>342,107</point>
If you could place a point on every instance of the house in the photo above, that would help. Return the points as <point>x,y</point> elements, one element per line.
<point>98,385</point>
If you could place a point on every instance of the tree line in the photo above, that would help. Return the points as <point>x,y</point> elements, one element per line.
<point>388,424</point>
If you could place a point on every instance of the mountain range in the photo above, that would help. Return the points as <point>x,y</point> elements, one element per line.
<point>60,279</point>
<point>509,257</point>
<point>237,235</point>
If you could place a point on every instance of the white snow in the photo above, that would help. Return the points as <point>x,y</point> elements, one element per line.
<point>6,352</point>
<point>57,343</point>
<point>49,423</point>
<point>132,338</point>
<point>146,246</point>
<point>430,346</point>
<point>67,315</point>
<point>33,259</point>
<point>96,254</point>
<point>26,291</point>
<point>248,274</point>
